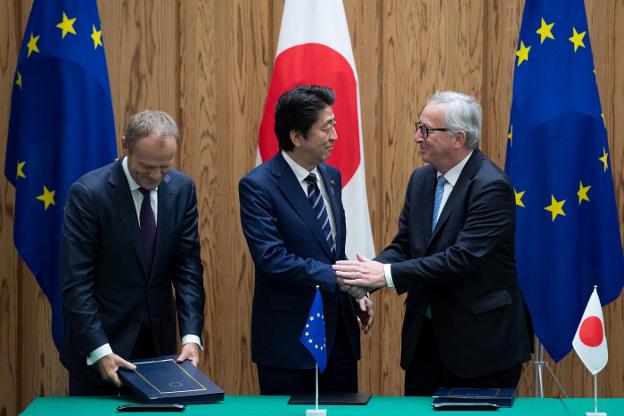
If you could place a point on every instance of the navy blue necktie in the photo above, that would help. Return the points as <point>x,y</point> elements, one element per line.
<point>148,227</point>
<point>318,206</point>
<point>437,200</point>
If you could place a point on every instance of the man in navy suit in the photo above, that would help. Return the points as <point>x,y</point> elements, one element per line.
<point>129,237</point>
<point>294,223</point>
<point>465,323</point>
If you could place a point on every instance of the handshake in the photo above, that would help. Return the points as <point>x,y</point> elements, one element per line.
<point>357,277</point>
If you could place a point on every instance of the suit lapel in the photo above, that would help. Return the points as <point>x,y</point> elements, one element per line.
<point>127,211</point>
<point>165,208</point>
<point>457,194</point>
<point>293,191</point>
<point>423,204</point>
<point>332,194</point>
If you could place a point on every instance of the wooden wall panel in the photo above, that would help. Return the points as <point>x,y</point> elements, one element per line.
<point>365,33</point>
<point>10,37</point>
<point>208,63</point>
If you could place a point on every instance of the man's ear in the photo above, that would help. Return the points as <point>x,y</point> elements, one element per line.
<point>296,137</point>
<point>461,139</point>
<point>124,145</point>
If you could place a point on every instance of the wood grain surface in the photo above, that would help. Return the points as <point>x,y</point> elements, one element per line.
<point>208,63</point>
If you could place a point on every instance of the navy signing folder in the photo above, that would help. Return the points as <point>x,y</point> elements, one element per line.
<point>163,380</point>
<point>499,397</point>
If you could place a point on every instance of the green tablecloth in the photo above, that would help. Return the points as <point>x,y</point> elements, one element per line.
<point>277,406</point>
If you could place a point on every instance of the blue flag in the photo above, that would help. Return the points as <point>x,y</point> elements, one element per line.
<point>313,334</point>
<point>61,126</point>
<point>558,159</point>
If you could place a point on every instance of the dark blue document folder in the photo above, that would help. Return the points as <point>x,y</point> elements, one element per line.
<point>500,397</point>
<point>163,380</point>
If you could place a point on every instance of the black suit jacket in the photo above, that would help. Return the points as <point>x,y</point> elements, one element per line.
<point>291,257</point>
<point>107,291</point>
<point>465,269</point>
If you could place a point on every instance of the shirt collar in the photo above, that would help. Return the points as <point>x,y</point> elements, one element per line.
<point>453,174</point>
<point>300,172</point>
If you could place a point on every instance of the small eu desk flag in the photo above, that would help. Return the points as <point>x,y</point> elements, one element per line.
<point>61,126</point>
<point>558,159</point>
<point>313,334</point>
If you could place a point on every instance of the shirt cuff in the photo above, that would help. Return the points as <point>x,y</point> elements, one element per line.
<point>388,275</point>
<point>99,353</point>
<point>192,338</point>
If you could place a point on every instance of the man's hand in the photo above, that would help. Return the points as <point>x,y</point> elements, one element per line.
<point>366,313</point>
<point>363,272</point>
<point>357,292</point>
<point>108,366</point>
<point>190,351</point>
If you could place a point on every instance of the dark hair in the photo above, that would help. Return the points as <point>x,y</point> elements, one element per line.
<point>298,109</point>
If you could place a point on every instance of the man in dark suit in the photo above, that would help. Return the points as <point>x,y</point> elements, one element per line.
<point>465,323</point>
<point>129,236</point>
<point>294,223</point>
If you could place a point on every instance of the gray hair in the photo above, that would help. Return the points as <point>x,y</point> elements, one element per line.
<point>461,113</point>
<point>150,121</point>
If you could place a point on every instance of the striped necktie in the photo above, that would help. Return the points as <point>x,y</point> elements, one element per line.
<point>318,206</point>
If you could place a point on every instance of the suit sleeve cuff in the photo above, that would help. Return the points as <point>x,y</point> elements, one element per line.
<point>388,275</point>
<point>99,353</point>
<point>192,338</point>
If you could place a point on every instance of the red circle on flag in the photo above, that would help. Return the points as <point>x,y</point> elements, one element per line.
<point>591,332</point>
<point>313,63</point>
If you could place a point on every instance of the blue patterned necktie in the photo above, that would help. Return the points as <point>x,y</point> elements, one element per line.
<point>439,191</point>
<point>318,206</point>
<point>148,227</point>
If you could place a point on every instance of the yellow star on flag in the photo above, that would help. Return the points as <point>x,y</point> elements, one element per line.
<point>604,159</point>
<point>555,207</point>
<point>545,31</point>
<point>47,197</point>
<point>96,35</point>
<point>18,82</point>
<point>522,53</point>
<point>582,192</point>
<point>510,134</point>
<point>32,44</point>
<point>67,26</point>
<point>519,196</point>
<point>577,39</point>
<point>20,169</point>
<point>603,120</point>
<point>311,318</point>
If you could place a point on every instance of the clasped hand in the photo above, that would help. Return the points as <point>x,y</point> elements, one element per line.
<point>363,273</point>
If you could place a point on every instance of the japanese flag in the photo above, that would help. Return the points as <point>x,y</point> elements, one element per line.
<point>314,47</point>
<point>590,342</point>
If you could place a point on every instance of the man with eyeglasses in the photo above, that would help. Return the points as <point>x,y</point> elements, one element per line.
<point>465,323</point>
<point>294,224</point>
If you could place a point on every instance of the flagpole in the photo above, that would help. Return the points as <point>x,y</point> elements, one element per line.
<point>316,394</point>
<point>538,362</point>
<point>595,393</point>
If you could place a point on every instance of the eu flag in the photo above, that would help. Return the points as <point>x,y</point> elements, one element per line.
<point>61,126</point>
<point>313,334</point>
<point>558,159</point>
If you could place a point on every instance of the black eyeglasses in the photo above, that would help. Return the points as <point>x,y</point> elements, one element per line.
<point>424,130</point>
